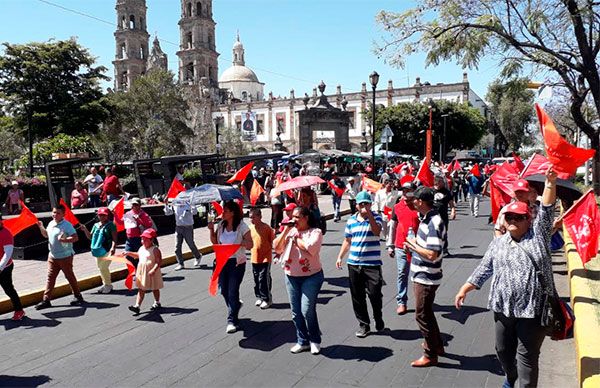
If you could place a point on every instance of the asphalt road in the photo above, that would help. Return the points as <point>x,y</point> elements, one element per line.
<point>102,345</point>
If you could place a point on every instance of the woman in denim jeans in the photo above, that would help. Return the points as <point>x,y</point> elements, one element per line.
<point>300,246</point>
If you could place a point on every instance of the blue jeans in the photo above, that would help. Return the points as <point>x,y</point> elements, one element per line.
<point>303,291</point>
<point>229,282</point>
<point>403,271</point>
<point>337,202</point>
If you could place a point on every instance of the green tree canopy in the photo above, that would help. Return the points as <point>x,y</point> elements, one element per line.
<point>56,83</point>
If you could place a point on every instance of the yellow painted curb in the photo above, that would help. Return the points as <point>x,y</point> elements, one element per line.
<point>585,299</point>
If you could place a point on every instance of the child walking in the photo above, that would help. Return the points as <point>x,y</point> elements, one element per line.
<point>147,275</point>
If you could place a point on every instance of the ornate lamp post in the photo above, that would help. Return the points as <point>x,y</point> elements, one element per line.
<point>374,79</point>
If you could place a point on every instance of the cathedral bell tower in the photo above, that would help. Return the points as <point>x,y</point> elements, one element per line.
<point>197,51</point>
<point>131,40</point>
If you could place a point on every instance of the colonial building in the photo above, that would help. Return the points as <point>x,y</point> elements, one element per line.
<point>240,82</point>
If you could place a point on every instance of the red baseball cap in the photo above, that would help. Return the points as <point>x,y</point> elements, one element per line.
<point>520,185</point>
<point>518,208</point>
<point>149,233</point>
<point>290,207</point>
<point>103,211</point>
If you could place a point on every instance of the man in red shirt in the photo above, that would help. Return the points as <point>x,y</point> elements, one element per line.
<point>111,186</point>
<point>6,268</point>
<point>404,218</point>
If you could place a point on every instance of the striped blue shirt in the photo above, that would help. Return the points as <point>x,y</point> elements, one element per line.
<point>430,235</point>
<point>364,244</point>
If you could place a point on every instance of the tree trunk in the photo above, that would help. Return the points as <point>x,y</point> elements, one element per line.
<point>595,144</point>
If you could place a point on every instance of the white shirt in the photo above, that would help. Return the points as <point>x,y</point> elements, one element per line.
<point>93,181</point>
<point>384,199</point>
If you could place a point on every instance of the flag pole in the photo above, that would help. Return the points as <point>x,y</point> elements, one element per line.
<point>527,165</point>
<point>573,205</point>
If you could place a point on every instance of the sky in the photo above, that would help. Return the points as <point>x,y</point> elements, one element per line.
<point>290,44</point>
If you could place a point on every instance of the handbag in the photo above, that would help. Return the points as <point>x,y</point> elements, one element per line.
<point>557,316</point>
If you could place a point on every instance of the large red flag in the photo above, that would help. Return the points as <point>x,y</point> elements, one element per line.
<point>176,188</point>
<point>22,222</point>
<point>130,268</point>
<point>504,177</point>
<point>475,171</point>
<point>218,208</point>
<point>69,216</point>
<point>119,212</point>
<point>456,166</point>
<point>338,190</point>
<point>222,252</point>
<point>370,185</point>
<point>565,157</point>
<point>241,174</point>
<point>582,221</point>
<point>517,163</point>
<point>498,199</point>
<point>425,176</point>
<point>255,192</point>
<point>538,164</point>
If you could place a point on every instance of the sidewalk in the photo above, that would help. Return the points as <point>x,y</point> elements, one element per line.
<point>29,276</point>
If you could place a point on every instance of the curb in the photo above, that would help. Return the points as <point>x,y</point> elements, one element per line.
<point>585,297</point>
<point>31,298</point>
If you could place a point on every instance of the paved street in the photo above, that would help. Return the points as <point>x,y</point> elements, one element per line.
<point>102,345</point>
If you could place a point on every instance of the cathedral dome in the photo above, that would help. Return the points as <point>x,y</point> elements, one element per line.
<point>238,73</point>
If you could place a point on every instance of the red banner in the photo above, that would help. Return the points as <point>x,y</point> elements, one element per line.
<point>582,221</point>
<point>425,176</point>
<point>338,191</point>
<point>69,216</point>
<point>504,177</point>
<point>22,222</point>
<point>130,268</point>
<point>255,192</point>
<point>538,164</point>
<point>241,174</point>
<point>119,212</point>
<point>222,252</point>
<point>176,188</point>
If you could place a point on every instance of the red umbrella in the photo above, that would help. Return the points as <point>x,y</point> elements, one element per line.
<point>298,182</point>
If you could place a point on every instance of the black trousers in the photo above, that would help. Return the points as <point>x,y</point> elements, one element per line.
<point>262,281</point>
<point>518,343</point>
<point>366,280</point>
<point>9,288</point>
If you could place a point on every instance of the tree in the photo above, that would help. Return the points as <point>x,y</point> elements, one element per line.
<point>150,117</point>
<point>231,143</point>
<point>55,85</point>
<point>511,107</point>
<point>61,143</point>
<point>559,39</point>
<point>12,142</point>
<point>464,125</point>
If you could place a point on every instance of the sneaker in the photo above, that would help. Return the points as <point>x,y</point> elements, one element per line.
<point>106,289</point>
<point>363,331</point>
<point>265,305</point>
<point>379,326</point>
<point>134,309</point>
<point>299,348</point>
<point>155,306</point>
<point>231,328</point>
<point>197,263</point>
<point>43,304</point>
<point>77,301</point>
<point>315,348</point>
<point>401,310</point>
<point>258,302</point>
<point>18,315</point>
<point>179,267</point>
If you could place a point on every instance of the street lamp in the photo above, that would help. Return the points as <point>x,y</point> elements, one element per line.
<point>443,142</point>
<point>374,79</point>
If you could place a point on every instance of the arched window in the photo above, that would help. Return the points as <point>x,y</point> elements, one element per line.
<point>198,9</point>
<point>123,51</point>
<point>142,25</point>
<point>235,58</point>
<point>123,22</point>
<point>132,22</point>
<point>188,10</point>
<point>244,96</point>
<point>188,40</point>
<point>142,53</point>
<point>124,80</point>
<point>189,71</point>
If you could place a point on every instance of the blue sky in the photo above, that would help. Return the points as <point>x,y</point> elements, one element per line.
<point>290,44</point>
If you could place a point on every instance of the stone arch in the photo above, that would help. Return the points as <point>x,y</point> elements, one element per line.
<point>188,9</point>
<point>189,71</point>
<point>189,40</point>
<point>122,51</point>
<point>198,8</point>
<point>131,22</point>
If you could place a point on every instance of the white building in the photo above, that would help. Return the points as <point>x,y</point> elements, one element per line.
<point>240,81</point>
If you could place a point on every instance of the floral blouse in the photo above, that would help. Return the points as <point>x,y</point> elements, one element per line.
<point>301,262</point>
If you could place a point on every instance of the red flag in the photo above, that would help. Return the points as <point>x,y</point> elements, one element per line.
<point>425,176</point>
<point>218,208</point>
<point>69,216</point>
<point>399,167</point>
<point>564,157</point>
<point>370,185</point>
<point>538,164</point>
<point>517,163</point>
<point>255,192</point>
<point>119,212</point>
<point>22,222</point>
<point>504,177</point>
<point>130,268</point>
<point>387,211</point>
<point>222,252</point>
<point>498,199</point>
<point>475,171</point>
<point>338,190</point>
<point>176,188</point>
<point>582,221</point>
<point>456,166</point>
<point>241,174</point>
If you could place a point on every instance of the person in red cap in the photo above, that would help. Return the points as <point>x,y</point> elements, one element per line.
<point>103,239</point>
<point>522,193</point>
<point>520,265</point>
<point>289,209</point>
<point>147,275</point>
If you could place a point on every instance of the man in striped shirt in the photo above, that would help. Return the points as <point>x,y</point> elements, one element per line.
<point>426,267</point>
<point>364,264</point>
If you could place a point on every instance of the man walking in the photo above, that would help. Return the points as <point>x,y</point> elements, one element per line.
<point>184,230</point>
<point>61,235</point>
<point>475,185</point>
<point>261,255</point>
<point>384,201</point>
<point>426,266</point>
<point>352,190</point>
<point>94,182</point>
<point>336,198</point>
<point>364,264</point>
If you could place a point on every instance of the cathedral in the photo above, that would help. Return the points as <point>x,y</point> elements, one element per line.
<point>237,95</point>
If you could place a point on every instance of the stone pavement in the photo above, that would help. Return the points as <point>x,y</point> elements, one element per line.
<point>101,345</point>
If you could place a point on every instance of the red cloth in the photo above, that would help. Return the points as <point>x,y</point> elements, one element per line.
<point>370,185</point>
<point>538,164</point>
<point>504,177</point>
<point>241,174</point>
<point>338,190</point>
<point>110,185</point>
<point>119,212</point>
<point>498,199</point>
<point>456,166</point>
<point>582,221</point>
<point>518,163</point>
<point>69,216</point>
<point>218,208</point>
<point>176,188</point>
<point>405,218</point>
<point>22,222</point>
<point>130,268</point>
<point>425,176</point>
<point>255,192</point>
<point>564,157</point>
<point>6,238</point>
<point>222,252</point>
<point>475,171</point>
<point>399,167</point>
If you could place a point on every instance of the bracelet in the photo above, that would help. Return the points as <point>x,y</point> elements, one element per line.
<point>549,185</point>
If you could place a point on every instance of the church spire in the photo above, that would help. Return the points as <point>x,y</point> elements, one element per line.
<point>238,52</point>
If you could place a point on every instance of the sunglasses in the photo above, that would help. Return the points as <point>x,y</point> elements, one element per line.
<point>515,217</point>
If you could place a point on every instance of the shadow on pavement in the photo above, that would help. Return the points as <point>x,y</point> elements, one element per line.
<point>280,306</point>
<point>358,353</point>
<point>461,316</point>
<point>78,311</point>
<point>586,273</point>
<point>583,299</point>
<point>401,334</point>
<point>339,282</point>
<point>122,291</point>
<point>326,299</point>
<point>27,323</point>
<point>456,255</point>
<point>489,363</point>
<point>266,335</point>
<point>331,244</point>
<point>23,381</point>
<point>156,316</point>
<point>172,278</point>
